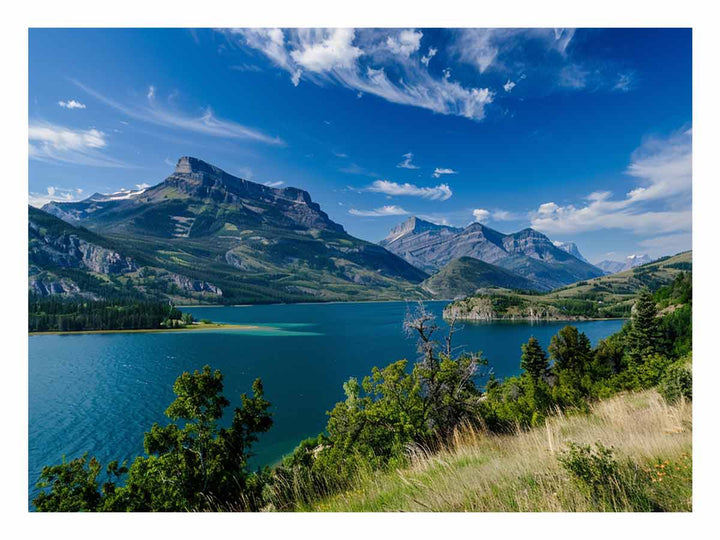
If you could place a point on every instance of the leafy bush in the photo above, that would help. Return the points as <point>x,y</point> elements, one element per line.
<point>594,468</point>
<point>677,381</point>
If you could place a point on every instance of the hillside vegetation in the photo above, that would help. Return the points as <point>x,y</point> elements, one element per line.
<point>649,467</point>
<point>602,297</point>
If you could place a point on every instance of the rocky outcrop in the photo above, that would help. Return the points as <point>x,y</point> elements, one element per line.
<point>45,286</point>
<point>193,285</point>
<point>201,180</point>
<point>71,251</point>
<point>482,308</point>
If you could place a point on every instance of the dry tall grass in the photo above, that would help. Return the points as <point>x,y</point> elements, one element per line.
<point>520,472</point>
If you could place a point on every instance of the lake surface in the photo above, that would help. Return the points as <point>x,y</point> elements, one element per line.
<point>100,392</point>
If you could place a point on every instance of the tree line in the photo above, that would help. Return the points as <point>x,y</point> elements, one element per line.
<point>57,314</point>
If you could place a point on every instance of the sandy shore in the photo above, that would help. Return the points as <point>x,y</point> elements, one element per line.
<point>194,328</point>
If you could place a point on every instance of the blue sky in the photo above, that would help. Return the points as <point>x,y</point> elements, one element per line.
<point>582,134</point>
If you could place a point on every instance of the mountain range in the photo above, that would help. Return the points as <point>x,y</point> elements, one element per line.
<point>613,267</point>
<point>527,254</point>
<point>203,235</point>
<point>216,237</point>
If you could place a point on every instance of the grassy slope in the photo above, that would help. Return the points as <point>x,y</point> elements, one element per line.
<point>520,472</point>
<point>465,275</point>
<point>606,296</point>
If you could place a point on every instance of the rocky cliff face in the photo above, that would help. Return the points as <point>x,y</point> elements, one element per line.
<point>572,249</point>
<point>482,308</point>
<point>70,251</point>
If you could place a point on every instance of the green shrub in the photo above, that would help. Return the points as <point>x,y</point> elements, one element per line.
<point>677,382</point>
<point>593,468</point>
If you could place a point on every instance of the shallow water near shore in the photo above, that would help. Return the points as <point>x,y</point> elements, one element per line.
<point>100,392</point>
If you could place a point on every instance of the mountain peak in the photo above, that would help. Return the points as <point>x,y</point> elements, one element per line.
<point>190,165</point>
<point>416,225</point>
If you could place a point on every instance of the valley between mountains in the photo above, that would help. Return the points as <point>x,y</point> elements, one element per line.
<point>203,236</point>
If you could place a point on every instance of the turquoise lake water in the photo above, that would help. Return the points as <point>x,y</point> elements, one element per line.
<point>100,392</point>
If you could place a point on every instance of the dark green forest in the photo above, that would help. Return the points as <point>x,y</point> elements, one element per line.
<point>57,314</point>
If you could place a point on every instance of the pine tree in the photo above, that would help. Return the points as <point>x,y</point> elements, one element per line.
<point>644,337</point>
<point>534,360</point>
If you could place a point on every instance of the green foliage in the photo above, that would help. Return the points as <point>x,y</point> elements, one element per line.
<point>191,463</point>
<point>57,314</point>
<point>389,410</point>
<point>533,359</point>
<point>595,468</point>
<point>571,350</point>
<point>644,338</point>
<point>676,382</point>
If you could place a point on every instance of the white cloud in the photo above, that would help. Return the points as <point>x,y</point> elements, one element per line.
<point>151,93</point>
<point>367,62</point>
<point>509,85</point>
<point>391,210</point>
<point>326,50</point>
<point>441,192</point>
<point>485,47</point>
<point>407,162</point>
<point>71,104</point>
<point>426,59</point>
<point>439,171</point>
<point>481,215</point>
<point>275,184</point>
<point>661,204</point>
<point>205,124</point>
<point>406,43</point>
<point>50,142</point>
<point>54,194</point>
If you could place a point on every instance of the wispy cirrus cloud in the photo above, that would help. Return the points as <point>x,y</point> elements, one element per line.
<point>51,142</point>
<point>383,211</point>
<point>659,204</point>
<point>407,163</point>
<point>205,124</point>
<point>384,63</point>
<point>441,192</point>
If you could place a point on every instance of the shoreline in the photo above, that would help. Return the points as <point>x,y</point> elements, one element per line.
<point>529,319</point>
<point>311,303</point>
<point>194,328</point>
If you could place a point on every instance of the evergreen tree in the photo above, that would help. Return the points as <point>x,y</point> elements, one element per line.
<point>644,337</point>
<point>571,350</point>
<point>534,360</point>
